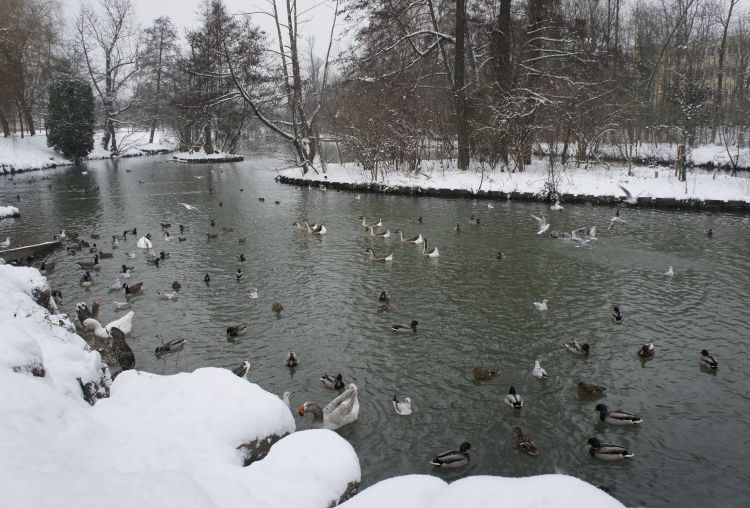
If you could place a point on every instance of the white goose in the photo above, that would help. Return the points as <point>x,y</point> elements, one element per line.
<point>429,253</point>
<point>124,324</point>
<point>342,410</point>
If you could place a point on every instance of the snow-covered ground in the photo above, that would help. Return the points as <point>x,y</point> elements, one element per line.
<point>173,440</point>
<point>31,152</point>
<point>646,182</point>
<point>666,153</point>
<point>201,156</point>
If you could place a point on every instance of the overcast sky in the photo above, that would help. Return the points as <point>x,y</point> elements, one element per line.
<point>184,14</point>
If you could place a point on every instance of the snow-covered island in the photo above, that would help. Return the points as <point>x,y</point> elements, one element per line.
<point>181,440</point>
<point>651,186</point>
<point>9,211</point>
<point>199,156</point>
<point>30,153</point>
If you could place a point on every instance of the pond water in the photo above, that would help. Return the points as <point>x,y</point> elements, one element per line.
<point>473,310</point>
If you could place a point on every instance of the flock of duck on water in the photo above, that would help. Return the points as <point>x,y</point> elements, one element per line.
<point>343,409</point>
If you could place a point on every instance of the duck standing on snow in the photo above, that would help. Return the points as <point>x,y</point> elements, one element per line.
<point>606,451</point>
<point>708,361</point>
<point>341,411</point>
<point>334,383</point>
<point>523,443</point>
<point>453,458</point>
<point>616,417</point>
<point>538,372</point>
<point>242,370</point>
<point>402,408</point>
<point>513,399</point>
<point>577,348</point>
<point>404,328</point>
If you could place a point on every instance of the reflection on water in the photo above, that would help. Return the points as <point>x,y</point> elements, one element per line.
<point>473,310</point>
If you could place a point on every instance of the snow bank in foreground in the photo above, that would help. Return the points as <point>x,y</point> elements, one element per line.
<point>646,182</point>
<point>161,441</point>
<point>157,441</point>
<point>9,211</point>
<point>420,491</point>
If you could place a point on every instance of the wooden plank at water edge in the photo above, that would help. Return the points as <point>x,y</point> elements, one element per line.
<point>29,250</point>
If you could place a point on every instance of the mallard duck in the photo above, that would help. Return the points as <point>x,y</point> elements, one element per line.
<point>106,255</point>
<point>384,301</point>
<point>457,229</point>
<point>616,417</point>
<point>292,359</point>
<point>242,241</point>
<point>341,411</point>
<point>453,458</point>
<point>211,236</point>
<point>236,331</point>
<point>241,258</point>
<point>523,443</point>
<point>227,230</point>
<point>86,280</point>
<point>333,382</point>
<point>277,308</point>
<point>90,265</point>
<point>416,240</point>
<point>47,267</point>
<point>474,220</point>
<point>170,346</point>
<point>402,408</point>
<point>538,372</point>
<point>514,399</point>
<point>708,361</point>
<point>578,349</point>
<point>133,289</point>
<point>124,324</point>
<point>372,233</point>
<point>616,314</point>
<point>164,255</point>
<point>404,328</point>
<point>206,278</point>
<point>176,285</point>
<point>239,275</point>
<point>647,351</point>
<point>500,255</point>
<point>483,374</point>
<point>586,389</point>
<point>242,370</point>
<point>606,451</point>
<point>431,253</point>
<point>373,257</point>
<point>541,305</point>
<point>709,232</point>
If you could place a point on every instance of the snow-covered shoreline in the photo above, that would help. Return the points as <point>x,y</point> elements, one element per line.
<point>9,211</point>
<point>31,153</point>
<point>153,440</point>
<point>656,187</point>
<point>200,156</point>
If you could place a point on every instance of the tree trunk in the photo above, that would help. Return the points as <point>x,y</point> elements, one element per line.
<point>20,118</point>
<point>717,117</point>
<point>25,110</point>
<point>502,65</point>
<point>208,145</point>
<point>158,88</point>
<point>460,96</point>
<point>4,123</point>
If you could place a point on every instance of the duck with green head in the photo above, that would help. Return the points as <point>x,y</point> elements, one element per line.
<point>453,458</point>
<point>616,417</point>
<point>607,451</point>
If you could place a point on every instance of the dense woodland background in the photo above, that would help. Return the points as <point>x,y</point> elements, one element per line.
<point>484,80</point>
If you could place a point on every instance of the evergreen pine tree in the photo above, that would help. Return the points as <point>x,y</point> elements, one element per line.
<point>70,123</point>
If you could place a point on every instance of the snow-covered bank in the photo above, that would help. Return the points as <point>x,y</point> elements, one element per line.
<point>29,153</point>
<point>199,156</point>
<point>652,186</point>
<point>157,441</point>
<point>421,491</point>
<point>9,211</point>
